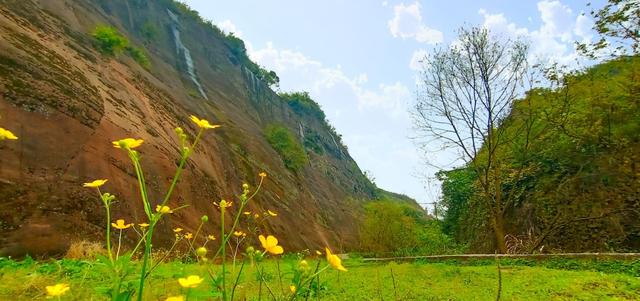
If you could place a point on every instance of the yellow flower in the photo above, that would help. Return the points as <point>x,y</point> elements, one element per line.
<point>176,298</point>
<point>119,224</point>
<point>188,235</point>
<point>95,184</point>
<point>201,123</point>
<point>57,290</point>
<point>163,209</point>
<point>292,288</point>
<point>211,237</point>
<point>143,225</point>
<point>334,261</point>
<point>262,174</point>
<point>239,233</point>
<point>272,213</point>
<point>270,244</point>
<point>127,143</point>
<point>247,213</point>
<point>318,252</point>
<point>177,230</point>
<point>190,282</point>
<point>6,134</point>
<point>256,216</point>
<point>223,204</point>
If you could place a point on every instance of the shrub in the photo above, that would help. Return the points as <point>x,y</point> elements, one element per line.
<point>139,56</point>
<point>109,40</point>
<point>84,250</point>
<point>302,103</point>
<point>394,227</point>
<point>287,145</point>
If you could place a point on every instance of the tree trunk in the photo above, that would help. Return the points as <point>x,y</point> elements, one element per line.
<point>498,229</point>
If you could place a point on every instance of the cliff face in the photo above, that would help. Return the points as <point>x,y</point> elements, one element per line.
<point>66,102</point>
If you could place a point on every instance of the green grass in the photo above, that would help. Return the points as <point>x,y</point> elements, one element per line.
<point>413,281</point>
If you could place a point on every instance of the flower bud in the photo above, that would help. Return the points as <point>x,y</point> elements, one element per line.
<point>201,251</point>
<point>204,219</point>
<point>250,250</point>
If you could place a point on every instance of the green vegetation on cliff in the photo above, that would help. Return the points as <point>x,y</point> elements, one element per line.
<point>111,42</point>
<point>287,145</point>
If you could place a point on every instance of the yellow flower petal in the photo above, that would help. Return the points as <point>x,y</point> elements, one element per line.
<point>272,213</point>
<point>163,209</point>
<point>262,174</point>
<point>223,204</point>
<point>177,230</point>
<point>119,224</point>
<point>270,244</point>
<point>6,134</point>
<point>57,290</point>
<point>190,282</point>
<point>201,123</point>
<point>175,298</point>
<point>334,260</point>
<point>95,183</point>
<point>127,143</point>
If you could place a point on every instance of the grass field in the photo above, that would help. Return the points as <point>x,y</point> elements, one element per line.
<point>364,281</point>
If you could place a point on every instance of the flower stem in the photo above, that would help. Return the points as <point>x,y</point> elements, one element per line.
<point>233,290</point>
<point>224,257</point>
<point>145,260</point>
<point>183,161</point>
<point>119,244</point>
<point>237,219</point>
<point>106,206</point>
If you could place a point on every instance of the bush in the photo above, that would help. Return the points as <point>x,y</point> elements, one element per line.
<point>394,228</point>
<point>287,145</point>
<point>302,103</point>
<point>110,41</point>
<point>139,56</point>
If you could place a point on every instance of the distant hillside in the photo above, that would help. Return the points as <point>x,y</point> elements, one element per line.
<point>68,89</point>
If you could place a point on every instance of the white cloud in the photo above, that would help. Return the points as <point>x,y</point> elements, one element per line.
<point>385,3</point>
<point>554,39</point>
<point>407,23</point>
<point>557,19</point>
<point>303,73</point>
<point>584,27</point>
<point>228,27</point>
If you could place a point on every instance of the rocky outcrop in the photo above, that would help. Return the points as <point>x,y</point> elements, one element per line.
<point>67,102</point>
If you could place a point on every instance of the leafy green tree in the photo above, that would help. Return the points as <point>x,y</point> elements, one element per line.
<point>457,189</point>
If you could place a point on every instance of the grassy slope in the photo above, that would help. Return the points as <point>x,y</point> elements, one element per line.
<point>414,281</point>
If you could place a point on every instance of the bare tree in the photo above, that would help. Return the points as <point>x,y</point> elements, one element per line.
<point>467,91</point>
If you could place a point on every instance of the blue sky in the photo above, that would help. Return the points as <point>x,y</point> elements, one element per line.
<point>359,60</point>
